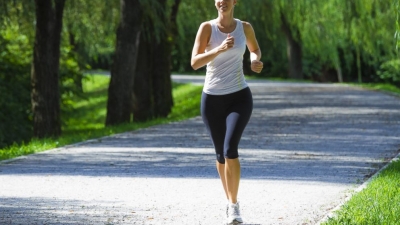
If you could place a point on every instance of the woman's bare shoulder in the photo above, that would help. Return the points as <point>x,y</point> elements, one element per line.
<point>246,25</point>
<point>248,29</point>
<point>204,32</point>
<point>205,26</point>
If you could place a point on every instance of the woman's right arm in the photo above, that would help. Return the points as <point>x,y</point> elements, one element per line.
<point>200,58</point>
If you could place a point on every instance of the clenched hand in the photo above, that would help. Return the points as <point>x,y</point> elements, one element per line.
<point>256,66</point>
<point>227,43</point>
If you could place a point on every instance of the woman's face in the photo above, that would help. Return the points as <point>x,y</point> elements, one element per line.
<point>224,5</point>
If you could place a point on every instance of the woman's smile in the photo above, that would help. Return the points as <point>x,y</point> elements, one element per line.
<point>222,5</point>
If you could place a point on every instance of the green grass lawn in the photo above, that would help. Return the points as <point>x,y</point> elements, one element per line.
<point>84,118</point>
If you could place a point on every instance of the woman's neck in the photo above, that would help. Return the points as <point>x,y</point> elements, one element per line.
<point>226,21</point>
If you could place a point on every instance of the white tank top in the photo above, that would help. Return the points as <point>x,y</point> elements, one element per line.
<point>225,72</point>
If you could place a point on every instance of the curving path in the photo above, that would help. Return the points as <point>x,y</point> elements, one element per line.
<point>307,146</point>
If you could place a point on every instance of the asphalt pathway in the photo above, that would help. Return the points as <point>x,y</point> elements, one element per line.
<point>307,146</point>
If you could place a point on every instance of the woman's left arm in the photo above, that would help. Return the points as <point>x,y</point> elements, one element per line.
<point>252,45</point>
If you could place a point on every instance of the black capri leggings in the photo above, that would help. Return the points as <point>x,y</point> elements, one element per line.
<point>226,117</point>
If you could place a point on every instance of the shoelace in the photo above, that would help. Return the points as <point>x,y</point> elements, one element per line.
<point>234,210</point>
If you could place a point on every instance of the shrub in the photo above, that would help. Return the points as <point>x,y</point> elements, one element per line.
<point>15,106</point>
<point>390,71</point>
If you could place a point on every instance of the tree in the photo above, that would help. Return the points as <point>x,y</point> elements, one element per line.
<point>92,40</point>
<point>191,14</point>
<point>153,87</point>
<point>294,49</point>
<point>44,77</point>
<point>16,43</point>
<point>120,96</point>
<point>397,34</point>
<point>163,101</point>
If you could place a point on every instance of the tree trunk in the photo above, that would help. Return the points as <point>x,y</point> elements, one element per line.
<point>153,87</point>
<point>163,100</point>
<point>162,85</point>
<point>142,88</point>
<point>358,60</point>
<point>45,95</point>
<point>120,94</point>
<point>339,70</point>
<point>294,51</point>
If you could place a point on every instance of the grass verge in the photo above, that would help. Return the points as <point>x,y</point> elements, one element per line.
<point>84,118</point>
<point>379,202</point>
<point>388,88</point>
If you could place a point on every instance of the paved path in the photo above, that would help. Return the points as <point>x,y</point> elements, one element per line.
<point>306,147</point>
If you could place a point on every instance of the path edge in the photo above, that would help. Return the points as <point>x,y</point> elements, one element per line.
<point>89,141</point>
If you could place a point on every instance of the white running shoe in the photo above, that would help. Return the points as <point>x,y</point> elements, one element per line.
<point>233,214</point>
<point>227,210</point>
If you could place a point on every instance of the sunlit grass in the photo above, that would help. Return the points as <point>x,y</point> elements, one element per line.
<point>85,118</point>
<point>89,112</point>
<point>378,204</point>
<point>389,88</point>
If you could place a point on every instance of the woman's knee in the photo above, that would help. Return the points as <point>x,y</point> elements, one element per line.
<point>231,153</point>
<point>227,155</point>
<point>221,158</point>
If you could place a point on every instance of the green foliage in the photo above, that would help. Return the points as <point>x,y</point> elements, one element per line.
<point>390,71</point>
<point>89,28</point>
<point>397,33</point>
<point>154,19</point>
<point>16,45</point>
<point>378,204</point>
<point>265,19</point>
<point>15,113</point>
<point>71,75</point>
<point>355,37</point>
<point>191,15</point>
<point>20,14</point>
<point>93,37</point>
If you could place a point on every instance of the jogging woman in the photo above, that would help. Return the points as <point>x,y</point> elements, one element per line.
<point>226,103</point>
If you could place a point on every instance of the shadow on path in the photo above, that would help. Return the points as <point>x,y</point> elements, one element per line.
<point>329,134</point>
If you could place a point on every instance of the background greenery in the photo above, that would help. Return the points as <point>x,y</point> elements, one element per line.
<point>350,38</point>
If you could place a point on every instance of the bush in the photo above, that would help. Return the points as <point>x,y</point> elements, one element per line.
<point>390,71</point>
<point>15,113</point>
<point>15,102</point>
